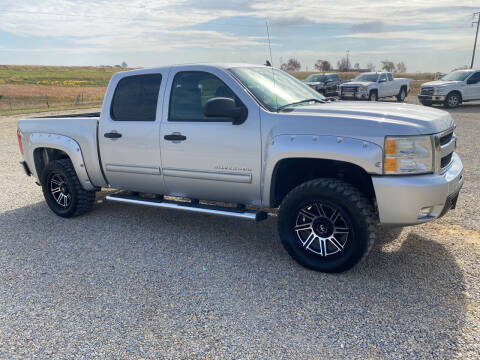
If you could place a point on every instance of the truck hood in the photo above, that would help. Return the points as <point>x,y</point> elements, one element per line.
<point>358,83</point>
<point>440,83</point>
<point>365,120</point>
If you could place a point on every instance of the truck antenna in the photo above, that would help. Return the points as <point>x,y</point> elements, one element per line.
<point>271,61</point>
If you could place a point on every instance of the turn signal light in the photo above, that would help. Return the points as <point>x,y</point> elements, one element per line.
<point>390,164</point>
<point>390,146</point>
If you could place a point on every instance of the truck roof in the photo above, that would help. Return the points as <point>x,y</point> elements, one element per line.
<point>215,65</point>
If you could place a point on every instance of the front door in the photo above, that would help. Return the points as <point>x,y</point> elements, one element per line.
<point>129,134</point>
<point>383,86</point>
<point>472,90</point>
<point>209,158</point>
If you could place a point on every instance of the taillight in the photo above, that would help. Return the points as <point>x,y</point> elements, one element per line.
<point>19,137</point>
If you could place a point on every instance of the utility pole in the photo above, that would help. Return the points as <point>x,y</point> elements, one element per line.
<point>348,63</point>
<point>476,36</point>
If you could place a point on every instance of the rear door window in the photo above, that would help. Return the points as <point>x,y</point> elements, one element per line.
<point>135,98</point>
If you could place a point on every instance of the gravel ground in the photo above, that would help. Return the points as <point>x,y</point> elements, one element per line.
<point>131,282</point>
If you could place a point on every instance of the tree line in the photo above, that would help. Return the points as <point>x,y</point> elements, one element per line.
<point>344,65</point>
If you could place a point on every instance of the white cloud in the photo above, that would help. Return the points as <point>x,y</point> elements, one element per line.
<point>156,26</point>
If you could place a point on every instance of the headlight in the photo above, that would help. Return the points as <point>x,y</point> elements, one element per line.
<point>364,88</point>
<point>440,90</point>
<point>408,155</point>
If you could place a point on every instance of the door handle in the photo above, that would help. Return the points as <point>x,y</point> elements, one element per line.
<point>113,135</point>
<point>175,137</point>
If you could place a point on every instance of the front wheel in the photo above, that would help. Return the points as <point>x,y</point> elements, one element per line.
<point>327,225</point>
<point>452,100</point>
<point>62,190</point>
<point>373,96</point>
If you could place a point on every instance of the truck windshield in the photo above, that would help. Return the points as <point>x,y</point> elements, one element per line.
<point>274,88</point>
<point>367,77</point>
<point>457,76</point>
<point>316,78</point>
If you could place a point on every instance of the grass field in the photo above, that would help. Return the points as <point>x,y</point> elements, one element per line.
<point>44,88</point>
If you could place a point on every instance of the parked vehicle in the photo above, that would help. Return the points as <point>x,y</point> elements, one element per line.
<point>453,89</point>
<point>251,136</point>
<point>325,84</point>
<point>374,86</point>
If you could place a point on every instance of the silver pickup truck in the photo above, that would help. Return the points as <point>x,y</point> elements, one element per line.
<point>254,139</point>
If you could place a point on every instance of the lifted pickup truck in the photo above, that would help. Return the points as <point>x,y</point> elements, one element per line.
<point>453,89</point>
<point>257,138</point>
<point>374,86</point>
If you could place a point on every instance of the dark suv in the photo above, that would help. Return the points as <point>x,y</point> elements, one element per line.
<point>325,84</point>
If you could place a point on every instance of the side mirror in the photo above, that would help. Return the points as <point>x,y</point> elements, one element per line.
<point>382,80</point>
<point>223,107</point>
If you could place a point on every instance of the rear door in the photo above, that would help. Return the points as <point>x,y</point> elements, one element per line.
<point>129,133</point>
<point>209,158</point>
<point>472,90</point>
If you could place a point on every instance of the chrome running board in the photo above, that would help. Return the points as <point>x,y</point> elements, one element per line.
<point>189,206</point>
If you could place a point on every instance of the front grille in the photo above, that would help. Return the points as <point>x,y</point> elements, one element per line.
<point>447,142</point>
<point>445,139</point>
<point>349,89</point>
<point>427,91</point>
<point>446,160</point>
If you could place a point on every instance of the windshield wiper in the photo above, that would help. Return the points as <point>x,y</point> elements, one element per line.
<point>300,102</point>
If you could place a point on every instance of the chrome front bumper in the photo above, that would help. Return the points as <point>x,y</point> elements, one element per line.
<point>400,199</point>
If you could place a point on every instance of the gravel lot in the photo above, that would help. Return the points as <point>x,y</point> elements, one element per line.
<point>131,282</point>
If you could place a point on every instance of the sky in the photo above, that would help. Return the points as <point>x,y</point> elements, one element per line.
<point>426,35</point>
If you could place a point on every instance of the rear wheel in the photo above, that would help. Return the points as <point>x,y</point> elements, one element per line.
<point>327,225</point>
<point>62,190</point>
<point>402,95</point>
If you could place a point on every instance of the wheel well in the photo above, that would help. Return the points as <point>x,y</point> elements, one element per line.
<point>43,156</point>
<point>456,92</point>
<point>289,173</point>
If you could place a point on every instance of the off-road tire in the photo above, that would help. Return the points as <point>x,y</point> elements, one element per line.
<point>402,95</point>
<point>351,201</point>
<point>81,200</point>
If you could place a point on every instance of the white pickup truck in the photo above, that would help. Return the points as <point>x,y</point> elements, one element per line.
<point>375,85</point>
<point>259,139</point>
<point>452,89</point>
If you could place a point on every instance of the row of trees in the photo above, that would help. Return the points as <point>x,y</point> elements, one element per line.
<point>344,64</point>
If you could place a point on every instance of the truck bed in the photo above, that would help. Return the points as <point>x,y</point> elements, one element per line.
<point>92,114</point>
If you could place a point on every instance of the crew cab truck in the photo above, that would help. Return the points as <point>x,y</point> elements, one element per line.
<point>375,85</point>
<point>256,138</point>
<point>452,89</point>
<point>325,84</point>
